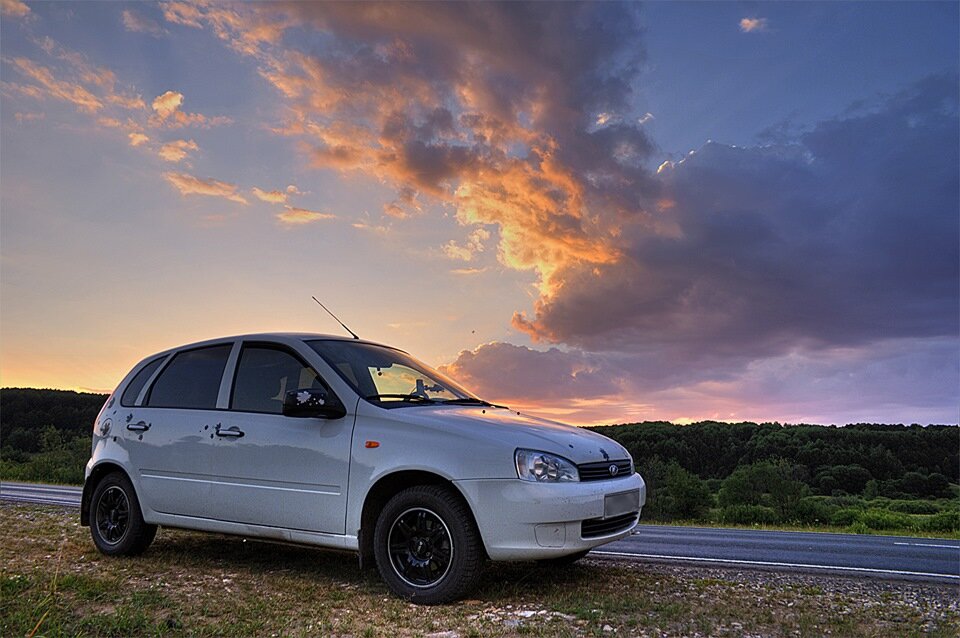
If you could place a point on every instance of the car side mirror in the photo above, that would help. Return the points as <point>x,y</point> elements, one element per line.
<point>315,403</point>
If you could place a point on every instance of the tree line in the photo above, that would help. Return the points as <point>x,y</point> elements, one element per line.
<point>865,474</point>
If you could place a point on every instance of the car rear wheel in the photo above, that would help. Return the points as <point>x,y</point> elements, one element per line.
<point>427,546</point>
<point>116,522</point>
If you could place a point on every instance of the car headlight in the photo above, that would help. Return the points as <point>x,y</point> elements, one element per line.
<point>541,467</point>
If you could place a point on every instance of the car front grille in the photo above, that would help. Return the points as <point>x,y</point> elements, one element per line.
<point>601,471</point>
<point>594,527</point>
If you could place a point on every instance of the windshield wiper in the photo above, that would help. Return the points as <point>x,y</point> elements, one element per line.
<point>412,398</point>
<point>467,401</point>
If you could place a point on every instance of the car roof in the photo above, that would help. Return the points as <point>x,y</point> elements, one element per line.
<point>269,336</point>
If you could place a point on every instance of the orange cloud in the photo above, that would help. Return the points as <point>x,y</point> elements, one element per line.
<point>245,30</point>
<point>139,24</point>
<point>76,94</point>
<point>167,104</point>
<point>14,8</point>
<point>274,197</point>
<point>26,90</point>
<point>168,114</point>
<point>468,250</point>
<point>182,13</point>
<point>293,215</point>
<point>445,124</point>
<point>28,117</point>
<point>470,105</point>
<point>190,185</point>
<point>177,150</point>
<point>752,25</point>
<point>136,139</point>
<point>95,78</point>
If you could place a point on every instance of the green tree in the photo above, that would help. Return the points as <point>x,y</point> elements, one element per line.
<point>688,496</point>
<point>767,483</point>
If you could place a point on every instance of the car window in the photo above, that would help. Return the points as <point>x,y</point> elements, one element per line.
<point>265,374</point>
<point>191,380</point>
<point>387,373</point>
<point>136,384</point>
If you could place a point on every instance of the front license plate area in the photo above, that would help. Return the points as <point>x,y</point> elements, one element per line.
<point>622,503</point>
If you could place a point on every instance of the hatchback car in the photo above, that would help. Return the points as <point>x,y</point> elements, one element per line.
<point>348,444</point>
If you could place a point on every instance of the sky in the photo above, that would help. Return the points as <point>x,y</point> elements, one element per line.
<point>597,213</point>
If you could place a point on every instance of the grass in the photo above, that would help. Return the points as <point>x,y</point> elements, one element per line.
<point>54,583</point>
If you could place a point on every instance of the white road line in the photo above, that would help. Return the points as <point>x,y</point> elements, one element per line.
<point>928,545</point>
<point>774,564</point>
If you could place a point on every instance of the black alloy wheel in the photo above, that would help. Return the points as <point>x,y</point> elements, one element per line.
<point>116,522</point>
<point>427,546</point>
<point>421,549</point>
<point>112,515</point>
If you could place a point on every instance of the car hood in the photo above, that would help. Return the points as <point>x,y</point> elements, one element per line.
<point>516,430</point>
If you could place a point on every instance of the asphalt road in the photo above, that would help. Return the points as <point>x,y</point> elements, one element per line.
<point>897,557</point>
<point>40,493</point>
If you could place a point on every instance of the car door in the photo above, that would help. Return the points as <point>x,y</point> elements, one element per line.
<point>275,470</point>
<point>169,434</point>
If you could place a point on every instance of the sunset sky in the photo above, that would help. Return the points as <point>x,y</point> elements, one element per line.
<point>598,213</point>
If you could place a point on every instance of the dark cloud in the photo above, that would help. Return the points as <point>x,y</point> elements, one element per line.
<point>846,236</point>
<point>512,373</point>
<point>895,381</point>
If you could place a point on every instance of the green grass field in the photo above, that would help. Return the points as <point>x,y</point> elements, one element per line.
<point>54,583</point>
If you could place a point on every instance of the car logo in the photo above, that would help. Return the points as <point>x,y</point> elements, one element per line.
<point>614,470</point>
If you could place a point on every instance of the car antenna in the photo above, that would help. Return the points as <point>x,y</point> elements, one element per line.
<point>335,317</point>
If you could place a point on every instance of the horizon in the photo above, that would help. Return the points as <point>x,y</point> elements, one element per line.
<point>106,394</point>
<point>591,212</point>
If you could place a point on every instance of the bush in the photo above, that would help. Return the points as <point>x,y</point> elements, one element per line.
<point>812,510</point>
<point>687,494</point>
<point>748,515</point>
<point>849,478</point>
<point>912,507</point>
<point>64,464</point>
<point>918,484</point>
<point>844,517</point>
<point>674,493</point>
<point>883,519</point>
<point>943,522</point>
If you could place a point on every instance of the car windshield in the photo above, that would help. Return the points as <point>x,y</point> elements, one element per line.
<point>389,376</point>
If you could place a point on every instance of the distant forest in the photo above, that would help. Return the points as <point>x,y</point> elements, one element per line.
<point>828,459</point>
<point>861,476</point>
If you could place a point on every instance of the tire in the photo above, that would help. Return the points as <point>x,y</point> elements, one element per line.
<point>427,547</point>
<point>563,561</point>
<point>116,522</point>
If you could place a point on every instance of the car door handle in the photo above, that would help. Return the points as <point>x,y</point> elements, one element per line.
<point>232,431</point>
<point>139,426</point>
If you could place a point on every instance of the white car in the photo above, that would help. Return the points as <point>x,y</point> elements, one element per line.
<point>348,444</point>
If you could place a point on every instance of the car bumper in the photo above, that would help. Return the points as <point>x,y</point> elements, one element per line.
<point>520,520</point>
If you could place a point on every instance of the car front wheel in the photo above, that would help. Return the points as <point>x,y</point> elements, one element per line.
<point>427,546</point>
<point>116,523</point>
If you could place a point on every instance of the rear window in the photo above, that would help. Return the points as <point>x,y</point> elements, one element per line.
<point>136,384</point>
<point>192,380</point>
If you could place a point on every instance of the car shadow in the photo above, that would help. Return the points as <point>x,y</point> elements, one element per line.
<point>499,582</point>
